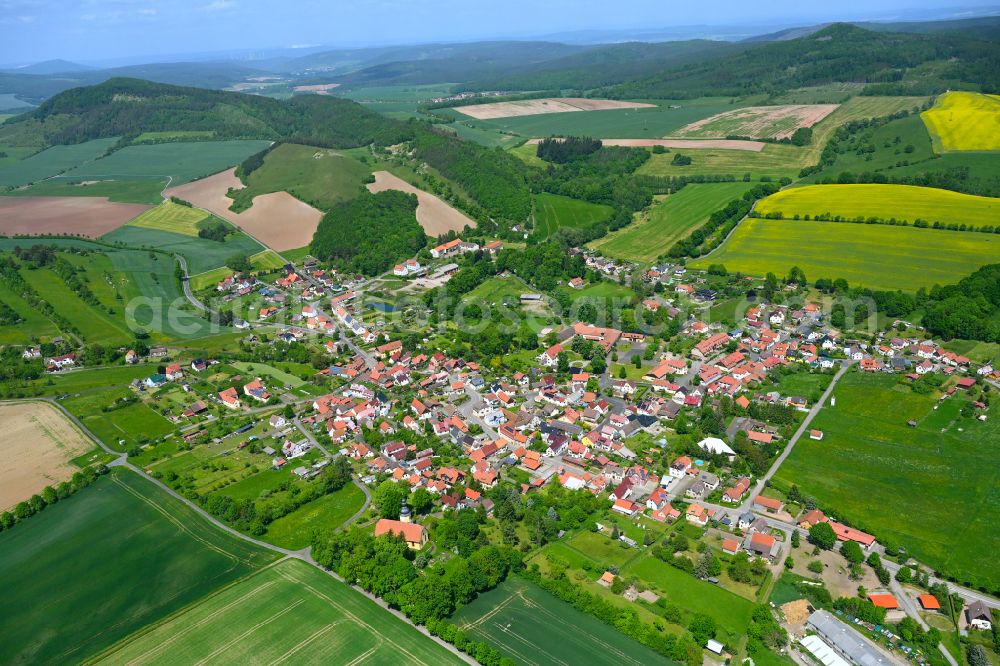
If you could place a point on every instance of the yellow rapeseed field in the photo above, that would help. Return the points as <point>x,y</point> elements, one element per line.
<point>964,121</point>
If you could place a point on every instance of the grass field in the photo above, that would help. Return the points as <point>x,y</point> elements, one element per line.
<point>668,221</point>
<point>964,121</point>
<point>290,612</point>
<point>181,162</point>
<point>866,255</point>
<point>731,612</point>
<point>53,161</point>
<point>943,475</point>
<point>262,370</point>
<point>266,260</point>
<point>295,530</point>
<point>202,254</point>
<point>104,563</point>
<point>171,217</point>
<point>531,626</point>
<point>778,160</point>
<point>174,135</point>
<point>902,202</point>
<point>553,211</point>
<point>122,191</point>
<point>120,429</point>
<point>318,176</point>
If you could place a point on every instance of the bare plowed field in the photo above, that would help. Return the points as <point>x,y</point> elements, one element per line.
<point>764,122</point>
<point>90,216</point>
<point>37,444</point>
<point>434,215</point>
<point>277,220</point>
<point>692,144</point>
<point>532,107</point>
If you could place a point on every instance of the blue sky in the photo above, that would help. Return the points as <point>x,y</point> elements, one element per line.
<point>91,30</point>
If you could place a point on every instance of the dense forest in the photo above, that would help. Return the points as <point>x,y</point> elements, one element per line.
<point>371,233</point>
<point>888,62</point>
<point>969,309</point>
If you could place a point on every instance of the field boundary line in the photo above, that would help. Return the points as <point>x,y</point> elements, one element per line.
<point>268,620</point>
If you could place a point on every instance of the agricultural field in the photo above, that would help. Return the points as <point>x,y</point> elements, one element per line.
<point>173,135</point>
<point>670,220</point>
<point>777,160</point>
<point>318,176</point>
<point>866,255</point>
<point>553,211</point>
<point>900,202</point>
<point>759,122</point>
<point>298,219</point>
<point>964,121</point>
<point>647,123</point>
<point>87,216</point>
<point>327,513</point>
<point>262,261</point>
<point>53,161</point>
<point>180,162</point>
<point>71,574</point>
<point>870,468</point>
<point>531,626</point>
<point>118,191</point>
<point>38,444</point>
<point>436,216</point>
<point>172,217</point>
<point>288,611</point>
<point>202,254</point>
<point>124,427</point>
<point>534,107</point>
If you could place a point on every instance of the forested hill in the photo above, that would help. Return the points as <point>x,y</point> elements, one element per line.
<point>892,63</point>
<point>128,107</point>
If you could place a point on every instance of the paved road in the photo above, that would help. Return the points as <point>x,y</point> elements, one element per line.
<point>121,460</point>
<point>308,435</point>
<point>762,481</point>
<point>186,284</point>
<point>364,507</point>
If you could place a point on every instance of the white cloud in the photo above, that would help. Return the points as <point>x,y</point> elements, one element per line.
<point>220,5</point>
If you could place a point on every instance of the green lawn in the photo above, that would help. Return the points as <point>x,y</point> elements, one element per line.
<point>602,549</point>
<point>123,428</point>
<point>268,372</point>
<point>877,256</point>
<point>318,176</point>
<point>668,221</point>
<point>182,162</point>
<point>553,211</point>
<point>731,612</point>
<point>105,563</point>
<point>531,626</point>
<point>327,513</point>
<point>933,488</point>
<point>53,161</point>
<point>290,612</point>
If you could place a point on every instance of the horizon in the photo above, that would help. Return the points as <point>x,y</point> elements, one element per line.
<point>137,31</point>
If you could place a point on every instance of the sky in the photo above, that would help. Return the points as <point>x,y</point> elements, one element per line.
<point>93,30</point>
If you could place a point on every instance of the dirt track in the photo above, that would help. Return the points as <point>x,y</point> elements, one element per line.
<point>433,214</point>
<point>36,443</point>
<point>278,220</point>
<point>90,216</point>
<point>693,144</point>
<point>532,107</point>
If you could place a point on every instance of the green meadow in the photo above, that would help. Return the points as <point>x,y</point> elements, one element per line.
<point>866,255</point>
<point>872,469</point>
<point>668,221</point>
<point>553,211</point>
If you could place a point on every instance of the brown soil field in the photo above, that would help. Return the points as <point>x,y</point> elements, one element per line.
<point>777,122</point>
<point>36,444</point>
<point>90,216</point>
<point>433,214</point>
<point>278,220</point>
<point>531,107</point>
<point>729,144</point>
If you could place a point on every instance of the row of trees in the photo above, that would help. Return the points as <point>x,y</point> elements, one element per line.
<point>50,495</point>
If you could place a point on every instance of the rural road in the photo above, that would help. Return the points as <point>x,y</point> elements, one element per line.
<point>121,460</point>
<point>762,481</point>
<point>186,284</point>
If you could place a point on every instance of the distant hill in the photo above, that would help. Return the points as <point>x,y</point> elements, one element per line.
<point>892,63</point>
<point>127,107</point>
<point>52,67</point>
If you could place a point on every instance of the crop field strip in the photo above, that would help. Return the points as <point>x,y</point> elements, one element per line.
<point>962,121</point>
<point>289,611</point>
<point>668,221</point>
<point>873,468</point>
<point>69,574</point>
<point>171,217</point>
<point>202,254</point>
<point>531,626</point>
<point>53,161</point>
<point>866,255</point>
